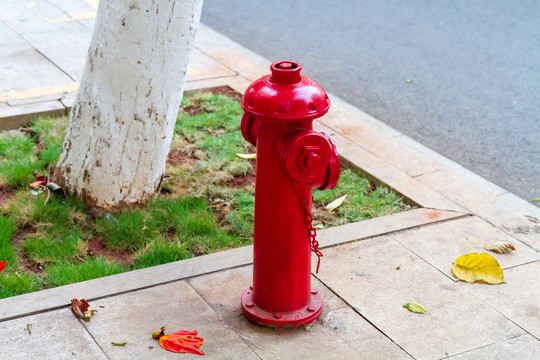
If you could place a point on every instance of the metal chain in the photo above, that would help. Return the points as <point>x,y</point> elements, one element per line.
<point>308,218</point>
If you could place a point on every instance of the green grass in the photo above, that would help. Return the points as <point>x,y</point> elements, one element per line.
<point>14,283</point>
<point>160,251</point>
<point>205,207</point>
<point>361,203</point>
<point>91,268</point>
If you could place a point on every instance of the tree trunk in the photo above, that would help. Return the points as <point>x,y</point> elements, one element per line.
<point>122,123</point>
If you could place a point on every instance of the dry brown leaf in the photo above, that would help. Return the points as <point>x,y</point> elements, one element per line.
<point>79,307</point>
<point>501,247</point>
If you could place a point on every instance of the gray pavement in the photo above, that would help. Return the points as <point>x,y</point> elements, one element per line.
<point>474,89</point>
<point>370,268</point>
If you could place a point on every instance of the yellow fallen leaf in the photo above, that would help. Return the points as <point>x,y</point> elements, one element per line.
<point>501,247</point>
<point>336,203</point>
<point>247,156</point>
<point>119,343</point>
<point>415,308</point>
<point>478,267</point>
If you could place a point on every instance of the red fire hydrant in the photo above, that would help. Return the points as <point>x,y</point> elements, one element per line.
<point>291,160</point>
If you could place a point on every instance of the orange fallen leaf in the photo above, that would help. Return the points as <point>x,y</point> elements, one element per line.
<point>180,342</point>
<point>79,307</point>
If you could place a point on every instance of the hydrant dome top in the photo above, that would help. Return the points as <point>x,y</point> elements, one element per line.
<point>285,94</point>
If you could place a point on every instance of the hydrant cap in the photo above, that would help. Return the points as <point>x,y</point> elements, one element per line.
<point>285,95</point>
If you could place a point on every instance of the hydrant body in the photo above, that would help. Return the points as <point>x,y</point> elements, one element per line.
<point>291,160</point>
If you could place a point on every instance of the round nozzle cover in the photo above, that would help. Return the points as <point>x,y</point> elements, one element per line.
<point>285,95</point>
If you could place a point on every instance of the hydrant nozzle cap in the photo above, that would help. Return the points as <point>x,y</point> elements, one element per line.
<point>285,72</point>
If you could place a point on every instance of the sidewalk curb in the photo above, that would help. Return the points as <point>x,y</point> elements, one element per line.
<point>55,298</point>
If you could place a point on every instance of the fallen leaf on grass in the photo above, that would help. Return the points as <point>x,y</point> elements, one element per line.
<point>247,156</point>
<point>336,203</point>
<point>415,308</point>
<point>79,307</point>
<point>39,182</point>
<point>119,343</point>
<point>180,342</point>
<point>502,247</point>
<point>478,267</point>
<point>2,265</point>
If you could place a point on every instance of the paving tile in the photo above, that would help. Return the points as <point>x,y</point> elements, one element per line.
<point>66,47</point>
<point>73,7</point>
<point>55,335</point>
<point>133,317</point>
<point>25,17</point>
<point>23,67</point>
<point>383,225</point>
<point>445,163</point>
<point>379,275</point>
<point>351,336</point>
<point>523,347</point>
<point>377,140</point>
<point>518,299</point>
<point>514,220</point>
<point>229,53</point>
<point>204,67</point>
<point>380,171</point>
<point>441,244</point>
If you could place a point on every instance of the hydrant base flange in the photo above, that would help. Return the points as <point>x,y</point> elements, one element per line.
<point>299,317</point>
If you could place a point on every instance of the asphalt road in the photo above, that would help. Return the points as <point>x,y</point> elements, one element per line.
<point>461,77</point>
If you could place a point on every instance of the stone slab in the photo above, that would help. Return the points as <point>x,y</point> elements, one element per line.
<point>351,336</point>
<point>74,7</point>
<point>23,67</point>
<point>514,220</point>
<point>383,225</point>
<point>523,347</point>
<point>382,172</point>
<point>203,67</point>
<point>229,53</point>
<point>133,317</point>
<point>66,47</point>
<point>445,163</point>
<point>518,299</point>
<point>55,335</point>
<point>377,276</point>
<point>26,17</point>
<point>377,140</point>
<point>14,117</point>
<point>441,244</point>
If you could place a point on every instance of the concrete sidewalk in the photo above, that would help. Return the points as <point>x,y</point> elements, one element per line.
<point>369,270</point>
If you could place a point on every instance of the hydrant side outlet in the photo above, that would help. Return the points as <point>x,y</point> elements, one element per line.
<point>292,159</point>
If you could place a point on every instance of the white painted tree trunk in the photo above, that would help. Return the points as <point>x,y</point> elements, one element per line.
<point>122,123</point>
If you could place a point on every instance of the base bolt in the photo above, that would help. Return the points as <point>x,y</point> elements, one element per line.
<point>314,292</point>
<point>249,304</point>
<point>311,308</point>
<point>278,315</point>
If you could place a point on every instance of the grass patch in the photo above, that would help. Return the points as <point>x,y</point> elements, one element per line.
<point>207,203</point>
<point>90,268</point>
